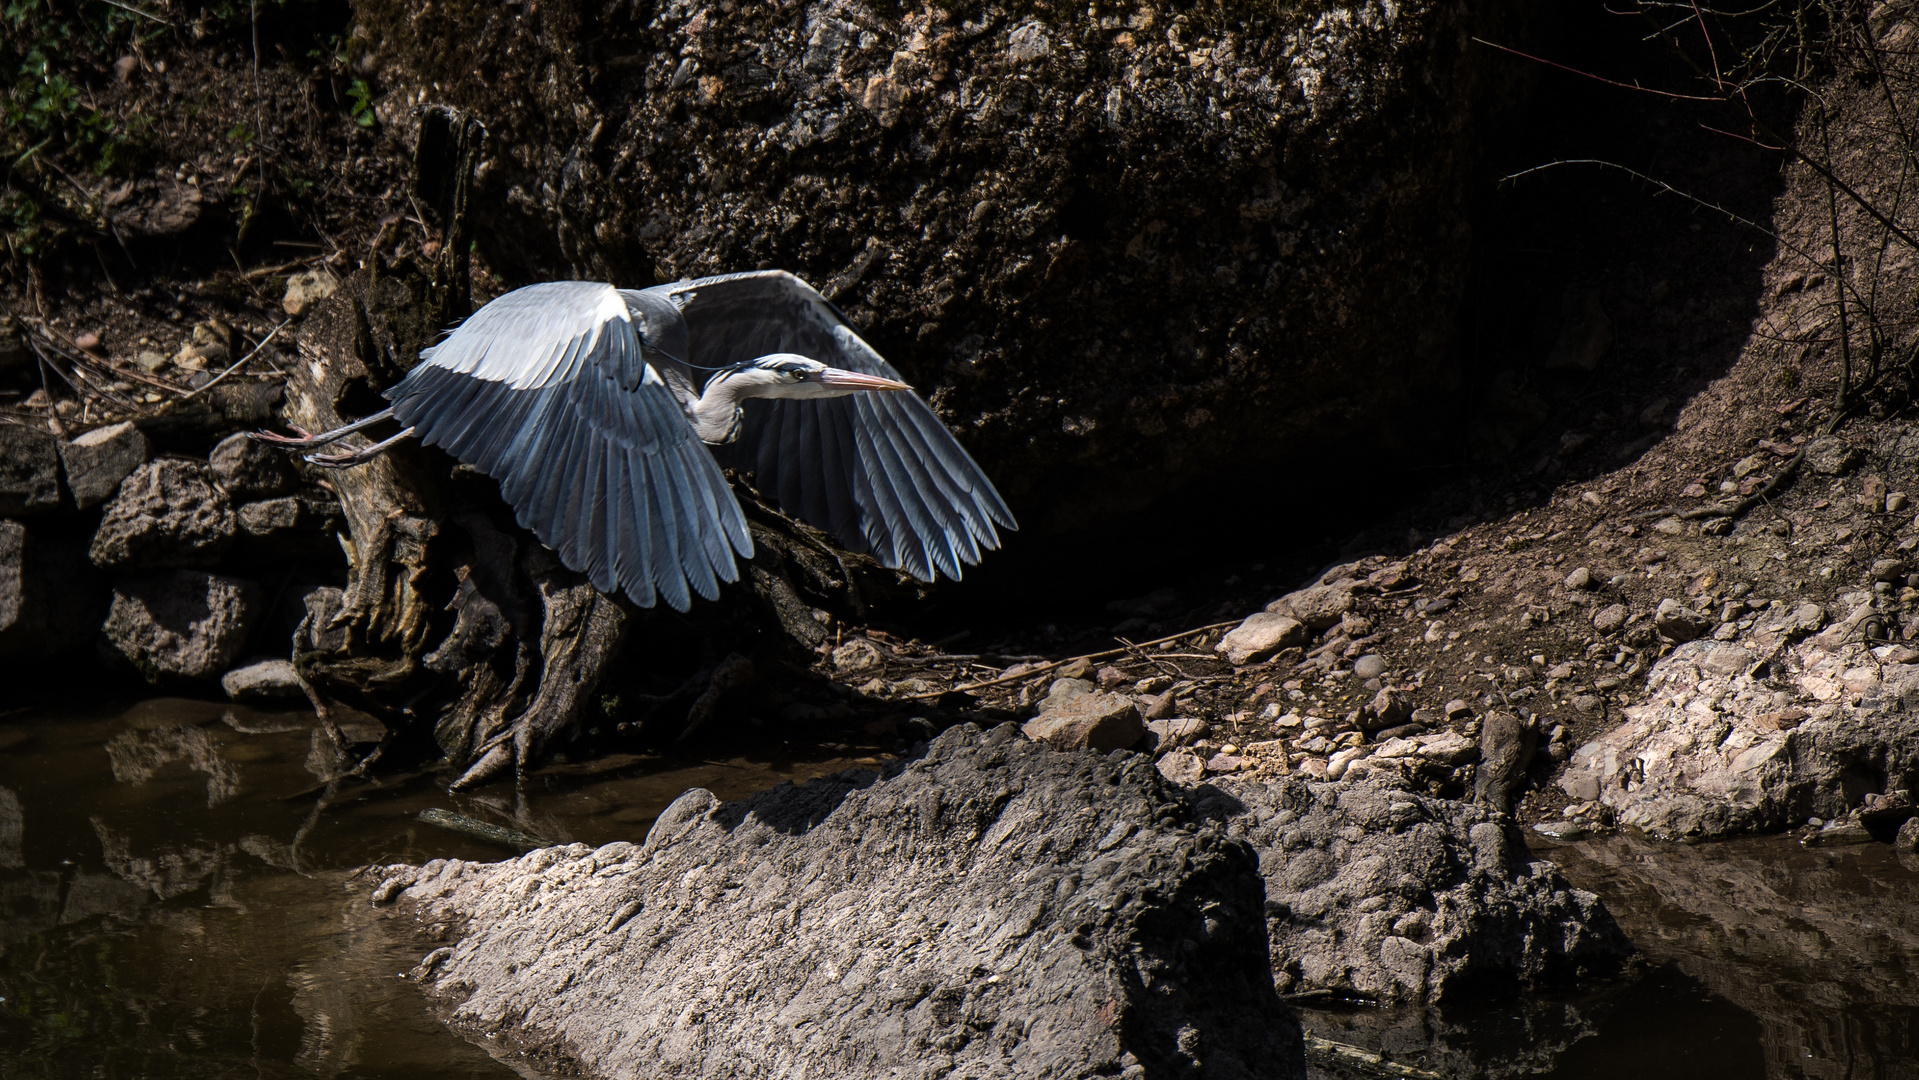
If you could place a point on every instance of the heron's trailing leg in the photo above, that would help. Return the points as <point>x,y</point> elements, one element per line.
<point>358,457</point>
<point>308,441</point>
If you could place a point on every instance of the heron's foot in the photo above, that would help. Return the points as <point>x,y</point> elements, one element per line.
<point>300,437</point>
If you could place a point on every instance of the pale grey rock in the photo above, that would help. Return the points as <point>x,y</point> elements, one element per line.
<point>29,471</point>
<point>1062,691</point>
<point>307,289</point>
<point>1389,708</point>
<point>98,460</point>
<point>1097,721</point>
<point>185,623</point>
<point>168,513</point>
<point>1401,897</point>
<point>1182,767</point>
<point>1712,752</point>
<point>247,469</point>
<point>1832,456</point>
<point>1679,623</point>
<point>1506,746</point>
<point>1178,732</point>
<point>1581,579</point>
<point>1610,618</point>
<point>1320,607</point>
<point>1370,666</point>
<point>987,910</point>
<point>1261,635</point>
<point>262,680</point>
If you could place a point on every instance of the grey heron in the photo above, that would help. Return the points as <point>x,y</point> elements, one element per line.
<point>582,400</point>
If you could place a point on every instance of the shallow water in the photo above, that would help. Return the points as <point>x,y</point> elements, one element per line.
<point>173,902</point>
<point>173,897</point>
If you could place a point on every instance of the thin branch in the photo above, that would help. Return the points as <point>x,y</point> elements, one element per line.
<point>1598,78</point>
<point>238,364</point>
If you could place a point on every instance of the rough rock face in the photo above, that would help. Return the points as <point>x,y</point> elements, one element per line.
<point>185,623</point>
<point>1731,741</point>
<point>98,460</point>
<point>991,909</point>
<point>29,471</point>
<point>246,469</point>
<point>168,513</point>
<point>1263,204</point>
<point>1400,897</point>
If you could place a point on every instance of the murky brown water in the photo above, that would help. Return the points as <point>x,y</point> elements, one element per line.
<point>173,903</point>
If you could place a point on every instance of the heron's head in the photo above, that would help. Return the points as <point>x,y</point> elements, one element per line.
<point>787,375</point>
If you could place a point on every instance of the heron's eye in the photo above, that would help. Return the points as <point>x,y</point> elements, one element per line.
<point>798,376</point>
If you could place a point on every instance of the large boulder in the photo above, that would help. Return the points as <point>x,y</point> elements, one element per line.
<point>29,471</point>
<point>1725,743</point>
<point>185,623</point>
<point>993,909</point>
<point>169,513</point>
<point>1123,249</point>
<point>1375,891</point>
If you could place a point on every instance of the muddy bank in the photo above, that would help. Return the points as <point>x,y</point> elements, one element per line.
<point>997,905</point>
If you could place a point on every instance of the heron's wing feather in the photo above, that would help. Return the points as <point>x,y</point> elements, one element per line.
<point>549,394</point>
<point>877,470</point>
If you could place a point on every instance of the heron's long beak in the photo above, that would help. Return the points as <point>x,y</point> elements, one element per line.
<point>841,379</point>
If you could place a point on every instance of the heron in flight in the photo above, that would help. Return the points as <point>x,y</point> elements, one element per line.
<point>582,400</point>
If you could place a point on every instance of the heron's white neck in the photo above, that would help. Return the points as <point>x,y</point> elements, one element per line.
<point>716,416</point>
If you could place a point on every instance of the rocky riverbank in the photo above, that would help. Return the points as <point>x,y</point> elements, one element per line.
<point>993,906</point>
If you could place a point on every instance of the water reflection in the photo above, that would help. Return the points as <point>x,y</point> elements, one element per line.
<point>173,895</point>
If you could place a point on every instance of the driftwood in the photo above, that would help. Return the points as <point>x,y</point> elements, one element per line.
<point>458,626</point>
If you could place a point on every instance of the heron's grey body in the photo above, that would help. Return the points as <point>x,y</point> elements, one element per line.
<point>575,397</point>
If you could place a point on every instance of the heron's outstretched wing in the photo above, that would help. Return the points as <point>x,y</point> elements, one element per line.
<point>546,390</point>
<point>877,470</point>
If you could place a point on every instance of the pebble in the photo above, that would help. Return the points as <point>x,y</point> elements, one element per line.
<point>1182,768</point>
<point>1896,501</point>
<point>1581,578</point>
<point>1610,618</point>
<point>88,341</point>
<point>1370,666</point>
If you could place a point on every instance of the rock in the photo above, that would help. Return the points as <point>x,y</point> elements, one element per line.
<point>185,623</point>
<point>1369,666</point>
<point>856,655</point>
<point>1565,831</point>
<point>1580,579</point>
<point>1320,607</point>
<point>1589,704</point>
<point>1831,456</point>
<point>262,680</point>
<point>1908,836</point>
<point>1610,618</point>
<point>1182,732</point>
<point>1261,635</point>
<point>98,460</point>
<point>247,469</point>
<point>1897,502</point>
<point>1223,762</point>
<point>1458,709</point>
<point>168,513</point>
<point>1063,691</point>
<point>153,208</point>
<point>1750,464</point>
<point>1404,97</point>
<point>1677,622</point>
<point>1342,760</point>
<point>150,362</point>
<point>1389,708</point>
<point>1506,745</point>
<point>1838,834</point>
<point>290,518</point>
<point>1162,706</point>
<point>988,905</point>
<point>1079,669</point>
<point>1109,677</point>
<point>1098,721</point>
<point>1888,570</point>
<point>29,471</point>
<point>51,598</point>
<point>1182,768</point>
<point>1712,752</point>
<point>1402,898</point>
<point>307,289</point>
